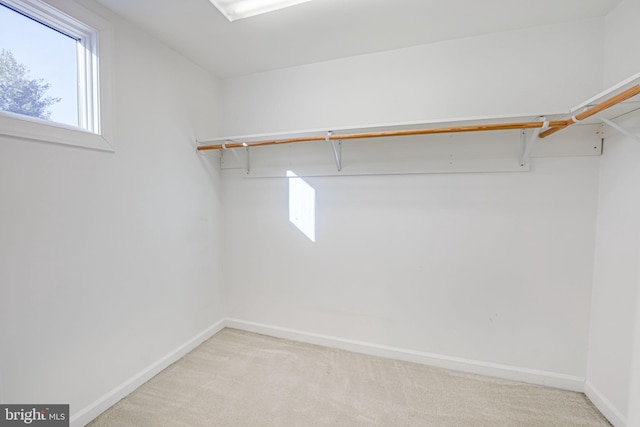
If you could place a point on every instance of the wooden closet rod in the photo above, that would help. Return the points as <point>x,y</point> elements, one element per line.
<point>453,129</point>
<point>554,126</point>
<point>621,97</point>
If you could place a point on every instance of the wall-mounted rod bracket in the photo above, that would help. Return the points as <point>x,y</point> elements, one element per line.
<point>237,156</point>
<point>337,149</point>
<point>528,144</point>
<point>620,129</point>
<point>247,164</point>
<point>523,143</point>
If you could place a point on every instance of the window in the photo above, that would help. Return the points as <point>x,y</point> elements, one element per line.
<point>53,73</point>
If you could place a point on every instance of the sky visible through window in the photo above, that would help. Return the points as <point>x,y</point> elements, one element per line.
<point>49,55</point>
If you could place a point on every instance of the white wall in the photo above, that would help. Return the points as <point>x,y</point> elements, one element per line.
<point>108,261</point>
<point>621,42</point>
<point>634,391</point>
<point>486,267</point>
<point>615,277</point>
<point>615,314</point>
<point>509,73</point>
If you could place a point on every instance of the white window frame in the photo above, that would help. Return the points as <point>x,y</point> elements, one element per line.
<point>94,61</point>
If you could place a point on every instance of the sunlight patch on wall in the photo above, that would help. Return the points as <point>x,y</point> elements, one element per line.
<point>302,205</point>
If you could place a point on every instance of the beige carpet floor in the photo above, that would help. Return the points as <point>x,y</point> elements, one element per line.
<point>243,379</point>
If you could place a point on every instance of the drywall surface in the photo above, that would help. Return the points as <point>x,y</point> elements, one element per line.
<point>621,42</point>
<point>517,72</point>
<point>615,314</point>
<point>108,261</point>
<point>634,392</point>
<point>616,274</point>
<point>488,267</point>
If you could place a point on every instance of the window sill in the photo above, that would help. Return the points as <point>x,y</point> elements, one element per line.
<point>15,125</point>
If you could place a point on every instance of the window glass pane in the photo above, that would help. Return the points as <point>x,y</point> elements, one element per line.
<point>38,69</point>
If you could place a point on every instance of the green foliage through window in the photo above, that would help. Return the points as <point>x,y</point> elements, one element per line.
<point>19,92</point>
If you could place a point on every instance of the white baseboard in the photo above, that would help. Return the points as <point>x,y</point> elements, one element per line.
<point>604,405</point>
<point>496,370</point>
<point>550,379</point>
<point>90,412</point>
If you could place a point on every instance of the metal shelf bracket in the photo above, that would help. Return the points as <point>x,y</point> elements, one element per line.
<point>337,149</point>
<point>528,144</point>
<point>620,129</point>
<point>246,162</point>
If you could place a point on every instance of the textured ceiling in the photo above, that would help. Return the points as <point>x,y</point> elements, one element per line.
<point>322,30</point>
